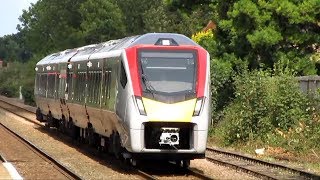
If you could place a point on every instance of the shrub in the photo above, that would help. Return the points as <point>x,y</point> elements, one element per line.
<point>262,104</point>
<point>10,80</point>
<point>9,89</point>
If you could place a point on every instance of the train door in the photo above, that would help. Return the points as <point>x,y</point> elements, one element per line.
<point>122,95</point>
<point>63,91</point>
<point>106,84</point>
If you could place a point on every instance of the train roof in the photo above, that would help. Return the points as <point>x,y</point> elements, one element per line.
<point>102,49</point>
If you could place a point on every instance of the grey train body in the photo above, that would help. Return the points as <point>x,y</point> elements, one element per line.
<point>144,96</point>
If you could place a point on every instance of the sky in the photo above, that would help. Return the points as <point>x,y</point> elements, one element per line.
<point>10,10</point>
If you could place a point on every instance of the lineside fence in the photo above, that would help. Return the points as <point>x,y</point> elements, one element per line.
<point>309,84</point>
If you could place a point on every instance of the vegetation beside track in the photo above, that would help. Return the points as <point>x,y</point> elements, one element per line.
<point>257,49</point>
<point>270,112</point>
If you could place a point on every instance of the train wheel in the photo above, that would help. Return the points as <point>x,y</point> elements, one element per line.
<point>134,162</point>
<point>115,145</point>
<point>90,135</point>
<point>183,163</point>
<point>186,164</point>
<point>69,125</point>
<point>74,130</point>
<point>39,115</point>
<point>49,122</point>
<point>62,123</point>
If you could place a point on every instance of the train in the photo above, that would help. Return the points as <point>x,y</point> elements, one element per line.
<point>139,97</point>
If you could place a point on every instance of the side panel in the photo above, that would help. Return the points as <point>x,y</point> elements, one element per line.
<point>76,104</point>
<point>101,113</point>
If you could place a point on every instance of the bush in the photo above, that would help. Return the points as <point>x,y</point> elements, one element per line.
<point>28,95</point>
<point>10,80</point>
<point>16,75</point>
<point>9,89</point>
<point>28,83</point>
<point>262,104</point>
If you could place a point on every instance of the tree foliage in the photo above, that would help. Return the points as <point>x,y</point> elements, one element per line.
<point>101,20</point>
<point>264,32</point>
<point>12,48</point>
<point>51,25</point>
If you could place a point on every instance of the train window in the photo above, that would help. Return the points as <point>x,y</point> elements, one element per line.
<point>94,86</point>
<point>94,81</point>
<point>51,84</point>
<point>109,84</point>
<point>43,84</point>
<point>82,89</point>
<point>97,87</point>
<point>167,72</point>
<point>90,88</point>
<point>37,84</point>
<point>106,85</point>
<point>123,76</point>
<point>76,87</point>
<point>69,86</point>
<point>62,84</point>
<point>56,86</point>
<point>80,86</point>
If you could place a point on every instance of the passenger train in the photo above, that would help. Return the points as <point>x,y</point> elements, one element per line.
<point>140,97</point>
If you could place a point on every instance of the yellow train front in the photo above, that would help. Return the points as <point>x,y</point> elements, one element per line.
<point>168,107</point>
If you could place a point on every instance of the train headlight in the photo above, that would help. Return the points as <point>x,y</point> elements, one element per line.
<point>140,105</point>
<point>198,107</point>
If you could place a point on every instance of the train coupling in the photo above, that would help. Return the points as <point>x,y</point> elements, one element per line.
<point>169,136</point>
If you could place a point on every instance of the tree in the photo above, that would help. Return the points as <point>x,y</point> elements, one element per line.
<point>51,25</point>
<point>134,12</point>
<point>12,48</point>
<point>102,20</point>
<point>269,32</point>
<point>189,16</point>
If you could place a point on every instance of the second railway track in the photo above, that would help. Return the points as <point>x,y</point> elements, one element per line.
<point>257,167</point>
<point>32,161</point>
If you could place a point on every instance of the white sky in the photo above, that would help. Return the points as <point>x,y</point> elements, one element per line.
<point>10,10</point>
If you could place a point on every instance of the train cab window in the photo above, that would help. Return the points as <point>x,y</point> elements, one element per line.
<point>123,76</point>
<point>168,72</point>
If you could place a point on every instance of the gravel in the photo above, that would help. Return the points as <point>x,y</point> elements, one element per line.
<point>93,167</point>
<point>85,166</point>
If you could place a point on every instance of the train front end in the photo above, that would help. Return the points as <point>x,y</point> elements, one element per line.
<point>169,111</point>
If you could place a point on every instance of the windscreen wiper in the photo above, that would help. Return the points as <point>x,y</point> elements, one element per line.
<point>148,85</point>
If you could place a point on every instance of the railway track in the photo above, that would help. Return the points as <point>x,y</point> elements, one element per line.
<point>256,167</point>
<point>36,154</point>
<point>169,170</point>
<point>29,115</point>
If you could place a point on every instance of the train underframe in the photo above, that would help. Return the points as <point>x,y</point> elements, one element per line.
<point>112,144</point>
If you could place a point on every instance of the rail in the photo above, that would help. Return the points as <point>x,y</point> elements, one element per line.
<point>64,170</point>
<point>259,168</point>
